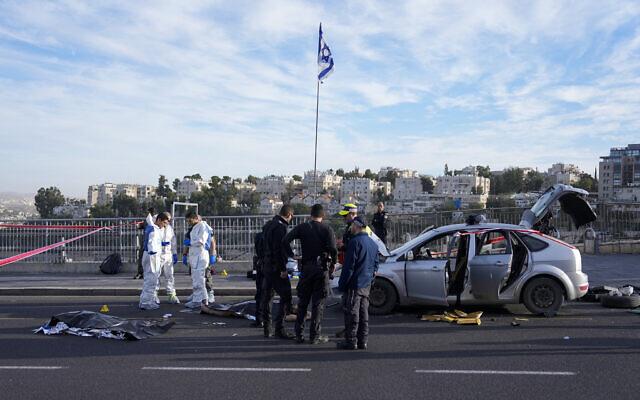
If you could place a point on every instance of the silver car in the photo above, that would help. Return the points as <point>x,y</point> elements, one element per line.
<point>488,263</point>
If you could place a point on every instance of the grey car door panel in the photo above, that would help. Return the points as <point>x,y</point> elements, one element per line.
<point>488,274</point>
<point>425,280</point>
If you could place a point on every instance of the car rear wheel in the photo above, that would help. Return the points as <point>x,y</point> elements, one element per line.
<point>382,297</point>
<point>543,296</point>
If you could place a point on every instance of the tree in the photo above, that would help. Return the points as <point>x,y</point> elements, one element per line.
<point>251,179</point>
<point>301,209</point>
<point>477,190</point>
<point>297,178</point>
<point>176,183</point>
<point>340,172</point>
<point>163,189</point>
<point>391,177</point>
<point>125,206</point>
<point>196,177</point>
<point>446,170</point>
<point>484,172</point>
<point>215,181</point>
<point>427,184</point>
<point>369,174</point>
<point>587,182</point>
<point>533,181</point>
<point>48,199</point>
<point>101,211</point>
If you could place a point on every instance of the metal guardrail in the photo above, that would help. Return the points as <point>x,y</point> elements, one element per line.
<point>235,234</point>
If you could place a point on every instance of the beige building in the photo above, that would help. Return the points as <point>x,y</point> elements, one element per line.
<point>462,185</point>
<point>619,174</point>
<point>187,186</point>
<point>360,190</point>
<point>407,188</point>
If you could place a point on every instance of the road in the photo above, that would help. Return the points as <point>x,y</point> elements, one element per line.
<point>586,352</point>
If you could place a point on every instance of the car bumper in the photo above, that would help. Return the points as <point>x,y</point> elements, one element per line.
<point>580,282</point>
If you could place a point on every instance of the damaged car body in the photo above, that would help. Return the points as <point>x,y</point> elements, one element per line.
<point>488,263</point>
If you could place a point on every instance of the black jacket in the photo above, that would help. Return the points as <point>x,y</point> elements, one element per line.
<point>273,232</point>
<point>315,238</point>
<point>379,223</point>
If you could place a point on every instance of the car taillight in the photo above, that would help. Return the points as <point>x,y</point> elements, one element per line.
<point>584,287</point>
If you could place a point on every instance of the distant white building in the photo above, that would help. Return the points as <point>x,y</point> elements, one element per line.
<point>567,174</point>
<point>462,185</point>
<point>273,186</point>
<point>384,187</point>
<point>270,205</point>
<point>361,189</point>
<point>401,173</point>
<point>73,209</point>
<point>187,186</point>
<point>127,190</point>
<point>146,192</point>
<point>92,195</point>
<point>525,200</point>
<point>326,181</point>
<point>106,191</point>
<point>407,188</point>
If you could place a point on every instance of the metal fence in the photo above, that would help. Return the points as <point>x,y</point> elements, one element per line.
<point>235,235</point>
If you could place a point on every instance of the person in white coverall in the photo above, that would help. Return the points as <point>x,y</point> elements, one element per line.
<point>169,258</point>
<point>152,261</point>
<point>198,242</point>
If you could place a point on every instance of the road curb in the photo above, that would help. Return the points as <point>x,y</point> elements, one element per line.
<point>48,291</point>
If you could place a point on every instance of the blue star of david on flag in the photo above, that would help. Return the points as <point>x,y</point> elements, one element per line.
<point>325,59</point>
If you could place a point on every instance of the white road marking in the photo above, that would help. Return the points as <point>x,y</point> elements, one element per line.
<point>491,372</point>
<point>227,369</point>
<point>31,367</point>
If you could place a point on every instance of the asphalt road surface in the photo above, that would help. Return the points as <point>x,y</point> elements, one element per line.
<point>586,352</point>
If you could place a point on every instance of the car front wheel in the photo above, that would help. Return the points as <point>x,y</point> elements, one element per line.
<point>543,296</point>
<point>382,297</point>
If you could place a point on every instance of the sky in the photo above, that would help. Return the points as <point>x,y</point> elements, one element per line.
<point>122,91</point>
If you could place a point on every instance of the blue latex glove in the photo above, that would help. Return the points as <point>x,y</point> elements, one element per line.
<point>175,259</point>
<point>184,259</point>
<point>187,242</point>
<point>212,259</point>
<point>166,243</point>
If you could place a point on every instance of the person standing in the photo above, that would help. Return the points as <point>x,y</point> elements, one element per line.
<point>213,259</point>
<point>349,212</point>
<point>169,258</point>
<point>198,258</point>
<point>258,260</point>
<point>142,226</point>
<point>275,276</point>
<point>319,255</point>
<point>358,271</point>
<point>379,223</point>
<point>152,262</point>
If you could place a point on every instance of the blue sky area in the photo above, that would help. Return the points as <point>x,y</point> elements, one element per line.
<point>123,91</point>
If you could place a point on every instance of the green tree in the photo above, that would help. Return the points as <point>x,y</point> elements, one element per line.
<point>391,177</point>
<point>176,183</point>
<point>297,178</point>
<point>101,211</point>
<point>587,182</point>
<point>484,172</point>
<point>196,177</point>
<point>369,174</point>
<point>427,184</point>
<point>251,179</point>
<point>48,199</point>
<point>163,188</point>
<point>340,172</point>
<point>125,206</point>
<point>215,181</point>
<point>533,181</point>
<point>301,209</point>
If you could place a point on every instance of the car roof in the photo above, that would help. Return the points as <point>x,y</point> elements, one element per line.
<point>451,228</point>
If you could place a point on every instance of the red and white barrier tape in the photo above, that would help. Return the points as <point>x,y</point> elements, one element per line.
<point>41,250</point>
<point>51,227</point>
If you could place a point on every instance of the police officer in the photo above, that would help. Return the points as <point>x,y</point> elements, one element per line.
<point>319,256</point>
<point>349,212</point>
<point>379,223</point>
<point>275,277</point>
<point>358,271</point>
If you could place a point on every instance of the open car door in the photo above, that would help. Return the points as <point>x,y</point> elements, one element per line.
<point>490,267</point>
<point>572,200</point>
<point>425,271</point>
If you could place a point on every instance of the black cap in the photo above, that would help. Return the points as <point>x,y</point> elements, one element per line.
<point>359,221</point>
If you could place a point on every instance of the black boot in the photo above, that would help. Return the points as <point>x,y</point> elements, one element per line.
<point>281,333</point>
<point>344,345</point>
<point>268,333</point>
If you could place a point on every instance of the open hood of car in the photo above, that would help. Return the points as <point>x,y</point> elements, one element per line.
<point>572,200</point>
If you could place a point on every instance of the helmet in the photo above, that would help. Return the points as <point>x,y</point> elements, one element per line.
<point>348,208</point>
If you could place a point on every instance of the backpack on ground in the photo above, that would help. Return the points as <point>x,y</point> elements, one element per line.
<point>111,265</point>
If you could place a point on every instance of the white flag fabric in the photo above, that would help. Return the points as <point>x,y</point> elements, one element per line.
<point>325,59</point>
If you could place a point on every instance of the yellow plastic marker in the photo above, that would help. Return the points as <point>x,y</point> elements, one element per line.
<point>104,308</point>
<point>225,273</point>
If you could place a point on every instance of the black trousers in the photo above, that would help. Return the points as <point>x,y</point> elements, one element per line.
<point>272,282</point>
<point>355,303</point>
<point>258,296</point>
<point>313,288</point>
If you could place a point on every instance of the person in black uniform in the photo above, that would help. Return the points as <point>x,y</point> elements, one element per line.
<point>275,277</point>
<point>142,226</point>
<point>319,256</point>
<point>258,260</point>
<point>379,223</point>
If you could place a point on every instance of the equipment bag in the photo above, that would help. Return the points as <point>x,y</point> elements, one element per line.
<point>111,265</point>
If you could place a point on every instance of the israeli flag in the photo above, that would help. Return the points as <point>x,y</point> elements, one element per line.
<point>325,59</point>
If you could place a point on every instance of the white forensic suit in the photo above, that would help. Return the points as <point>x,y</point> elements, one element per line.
<point>152,265</point>
<point>169,247</point>
<point>200,239</point>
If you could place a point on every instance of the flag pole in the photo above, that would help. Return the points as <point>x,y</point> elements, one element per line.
<point>315,154</point>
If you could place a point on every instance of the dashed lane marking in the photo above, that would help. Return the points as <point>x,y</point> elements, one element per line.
<point>493,372</point>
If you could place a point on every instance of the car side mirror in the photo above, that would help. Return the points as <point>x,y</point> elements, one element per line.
<point>409,255</point>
